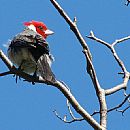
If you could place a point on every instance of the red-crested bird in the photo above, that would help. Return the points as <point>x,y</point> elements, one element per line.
<point>30,52</point>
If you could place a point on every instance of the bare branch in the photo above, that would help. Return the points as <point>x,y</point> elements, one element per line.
<point>69,109</point>
<point>75,20</point>
<point>90,68</point>
<point>120,63</point>
<point>95,112</point>
<point>111,47</point>
<point>126,73</point>
<point>125,94</point>
<point>120,105</point>
<point>92,36</point>
<point>6,60</point>
<point>81,40</point>
<point>115,108</point>
<point>100,93</point>
<point>62,119</point>
<point>5,73</point>
<point>73,26</point>
<point>77,106</point>
<point>120,40</point>
<point>60,85</point>
<point>123,111</point>
<point>65,120</point>
<point>92,73</point>
<point>117,88</point>
<point>71,113</point>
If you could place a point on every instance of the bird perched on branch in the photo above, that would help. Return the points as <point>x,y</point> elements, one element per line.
<point>30,52</point>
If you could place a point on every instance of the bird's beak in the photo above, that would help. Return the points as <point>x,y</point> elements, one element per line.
<point>49,32</point>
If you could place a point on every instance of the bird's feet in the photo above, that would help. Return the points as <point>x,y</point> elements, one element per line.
<point>17,77</point>
<point>34,76</point>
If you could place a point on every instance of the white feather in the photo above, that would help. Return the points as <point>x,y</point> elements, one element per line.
<point>32,27</point>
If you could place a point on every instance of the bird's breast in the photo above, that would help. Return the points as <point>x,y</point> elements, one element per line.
<point>22,57</point>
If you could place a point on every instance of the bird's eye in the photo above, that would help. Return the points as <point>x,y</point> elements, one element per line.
<point>40,27</point>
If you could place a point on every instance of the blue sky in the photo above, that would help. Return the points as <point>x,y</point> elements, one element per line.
<point>27,107</point>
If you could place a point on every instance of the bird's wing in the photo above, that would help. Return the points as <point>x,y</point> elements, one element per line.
<point>44,61</point>
<point>25,39</point>
<point>31,40</point>
<point>44,69</point>
<point>41,53</point>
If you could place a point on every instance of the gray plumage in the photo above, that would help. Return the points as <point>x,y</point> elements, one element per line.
<point>29,51</point>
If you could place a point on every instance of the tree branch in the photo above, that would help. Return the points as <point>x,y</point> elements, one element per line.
<point>5,73</point>
<point>116,107</point>
<point>92,36</point>
<point>64,119</point>
<point>77,106</point>
<point>90,68</point>
<point>120,105</point>
<point>122,111</point>
<point>120,63</point>
<point>60,85</point>
<point>121,40</point>
<point>73,26</point>
<point>101,93</point>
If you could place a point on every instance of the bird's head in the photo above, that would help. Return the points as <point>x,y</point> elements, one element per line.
<point>39,27</point>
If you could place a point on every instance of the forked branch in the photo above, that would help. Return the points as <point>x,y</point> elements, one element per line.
<point>117,107</point>
<point>123,85</point>
<point>90,68</point>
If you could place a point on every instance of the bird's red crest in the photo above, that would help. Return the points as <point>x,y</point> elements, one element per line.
<point>36,24</point>
<point>40,27</point>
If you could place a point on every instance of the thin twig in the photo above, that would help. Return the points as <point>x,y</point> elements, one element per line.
<point>123,111</point>
<point>92,36</point>
<point>120,105</point>
<point>64,119</point>
<point>5,73</point>
<point>120,40</point>
<point>115,108</point>
<point>69,109</point>
<point>71,113</point>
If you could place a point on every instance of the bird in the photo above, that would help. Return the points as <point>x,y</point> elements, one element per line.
<point>29,50</point>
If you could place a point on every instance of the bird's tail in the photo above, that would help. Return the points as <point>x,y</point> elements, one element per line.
<point>44,68</point>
